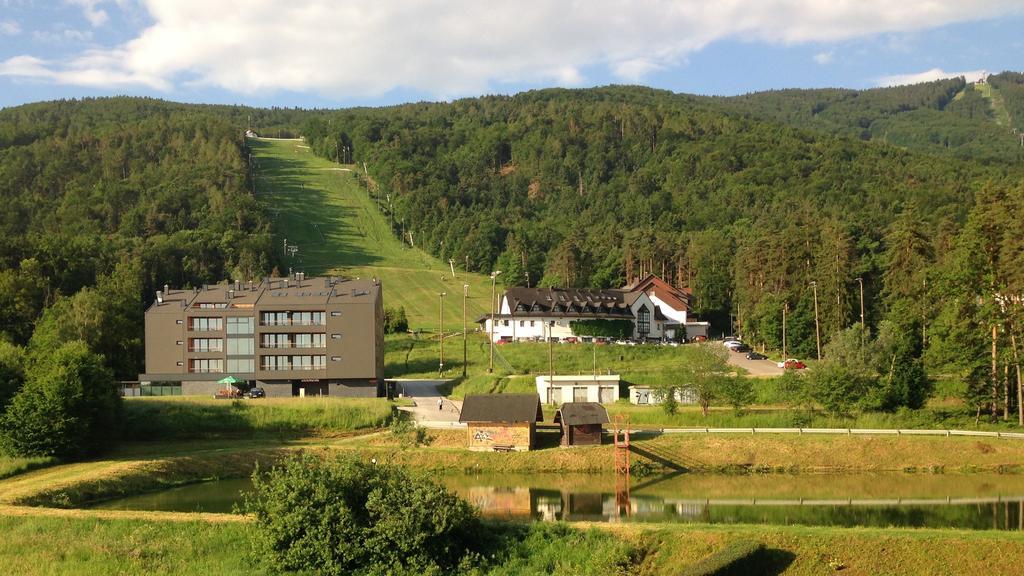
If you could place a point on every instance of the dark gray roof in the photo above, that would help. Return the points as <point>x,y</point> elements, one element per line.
<point>577,413</point>
<point>573,302</point>
<point>501,408</point>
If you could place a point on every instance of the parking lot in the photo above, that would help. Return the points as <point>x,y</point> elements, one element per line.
<point>756,368</point>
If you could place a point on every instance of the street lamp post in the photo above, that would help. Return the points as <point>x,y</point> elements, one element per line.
<point>817,329</point>
<point>465,296</point>
<point>860,281</point>
<point>490,362</point>
<point>440,334</point>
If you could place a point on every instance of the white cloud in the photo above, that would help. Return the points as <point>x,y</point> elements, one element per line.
<point>343,48</point>
<point>62,36</point>
<point>95,16</point>
<point>825,57</point>
<point>9,28</point>
<point>928,76</point>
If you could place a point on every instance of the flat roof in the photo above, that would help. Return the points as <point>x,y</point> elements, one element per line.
<point>272,292</point>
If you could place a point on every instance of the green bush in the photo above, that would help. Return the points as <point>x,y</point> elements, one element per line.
<point>12,372</point>
<point>739,557</point>
<point>618,329</point>
<point>395,321</point>
<point>348,517</point>
<point>69,407</point>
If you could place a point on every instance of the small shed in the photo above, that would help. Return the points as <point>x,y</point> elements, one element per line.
<point>501,422</point>
<point>581,423</point>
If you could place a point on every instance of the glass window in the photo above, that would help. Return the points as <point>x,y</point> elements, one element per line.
<point>319,319</point>
<point>240,346</point>
<point>643,321</point>
<point>205,344</point>
<point>302,318</point>
<point>205,324</point>
<point>240,365</point>
<point>204,365</point>
<point>240,325</point>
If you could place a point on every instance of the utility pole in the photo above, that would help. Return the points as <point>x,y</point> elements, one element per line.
<point>490,362</point>
<point>863,327</point>
<point>551,357</point>
<point>465,296</point>
<point>440,334</point>
<point>817,328</point>
<point>785,308</point>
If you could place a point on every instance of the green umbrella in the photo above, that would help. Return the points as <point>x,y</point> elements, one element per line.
<point>229,380</point>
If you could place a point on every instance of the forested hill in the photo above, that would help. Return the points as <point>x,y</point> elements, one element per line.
<point>979,121</point>
<point>106,200</point>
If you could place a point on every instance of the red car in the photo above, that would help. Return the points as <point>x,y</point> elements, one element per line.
<point>792,364</point>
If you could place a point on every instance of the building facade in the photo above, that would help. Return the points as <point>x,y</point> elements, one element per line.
<point>292,336</point>
<point>542,313</point>
<point>674,303</point>
<point>603,388</point>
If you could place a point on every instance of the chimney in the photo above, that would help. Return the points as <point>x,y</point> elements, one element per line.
<point>167,289</point>
<point>159,297</point>
<point>231,295</point>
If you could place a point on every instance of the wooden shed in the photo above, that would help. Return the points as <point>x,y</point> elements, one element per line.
<point>581,423</point>
<point>501,422</point>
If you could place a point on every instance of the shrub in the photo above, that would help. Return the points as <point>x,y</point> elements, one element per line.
<point>619,329</point>
<point>69,407</point>
<point>350,517</point>
<point>395,321</point>
<point>739,557</point>
<point>12,372</point>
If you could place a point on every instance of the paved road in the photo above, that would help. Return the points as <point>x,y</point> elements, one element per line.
<point>756,368</point>
<point>426,396</point>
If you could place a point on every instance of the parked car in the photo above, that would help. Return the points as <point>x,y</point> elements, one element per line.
<point>228,394</point>
<point>699,338</point>
<point>733,344</point>
<point>755,355</point>
<point>742,348</point>
<point>792,364</point>
<point>570,339</point>
<point>256,393</point>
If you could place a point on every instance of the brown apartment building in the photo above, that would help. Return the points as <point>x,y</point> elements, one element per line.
<point>292,336</point>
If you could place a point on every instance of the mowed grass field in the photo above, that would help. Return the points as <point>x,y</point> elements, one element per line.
<point>320,207</point>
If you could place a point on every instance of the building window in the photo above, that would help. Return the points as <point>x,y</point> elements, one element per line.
<point>643,320</point>
<point>335,313</point>
<point>178,342</point>
<point>335,336</point>
<point>241,346</point>
<point>213,305</point>
<point>241,365</point>
<point>310,340</point>
<point>205,365</point>
<point>504,323</point>
<point>335,358</point>
<point>531,323</point>
<point>205,324</point>
<point>179,321</point>
<point>205,345</point>
<point>241,325</point>
<point>521,323</point>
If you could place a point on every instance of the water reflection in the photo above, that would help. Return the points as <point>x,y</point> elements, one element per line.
<point>977,502</point>
<point>496,499</point>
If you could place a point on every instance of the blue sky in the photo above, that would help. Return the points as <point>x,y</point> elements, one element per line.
<point>320,53</point>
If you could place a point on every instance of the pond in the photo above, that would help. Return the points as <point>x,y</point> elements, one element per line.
<point>977,502</point>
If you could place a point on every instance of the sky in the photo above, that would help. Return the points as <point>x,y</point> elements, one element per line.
<point>338,53</point>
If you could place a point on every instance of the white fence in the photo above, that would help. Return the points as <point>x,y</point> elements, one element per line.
<point>843,431</point>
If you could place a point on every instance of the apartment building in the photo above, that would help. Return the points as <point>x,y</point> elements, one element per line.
<point>293,336</point>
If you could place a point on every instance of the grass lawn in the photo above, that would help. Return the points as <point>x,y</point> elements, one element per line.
<point>12,465</point>
<point>84,546</point>
<point>169,417</point>
<point>335,223</point>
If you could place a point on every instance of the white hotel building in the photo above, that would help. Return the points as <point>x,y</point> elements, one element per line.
<point>541,313</point>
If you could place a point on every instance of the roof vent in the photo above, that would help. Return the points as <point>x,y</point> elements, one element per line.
<point>231,295</point>
<point>159,297</point>
<point>167,289</point>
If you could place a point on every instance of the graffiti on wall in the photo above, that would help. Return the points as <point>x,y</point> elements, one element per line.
<point>500,436</point>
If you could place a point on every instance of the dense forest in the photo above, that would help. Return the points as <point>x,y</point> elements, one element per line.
<point>766,206</point>
<point>760,213</point>
<point>106,200</point>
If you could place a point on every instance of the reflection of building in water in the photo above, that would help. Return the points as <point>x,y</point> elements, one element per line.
<point>548,505</point>
<point>691,510</point>
<point>501,502</point>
